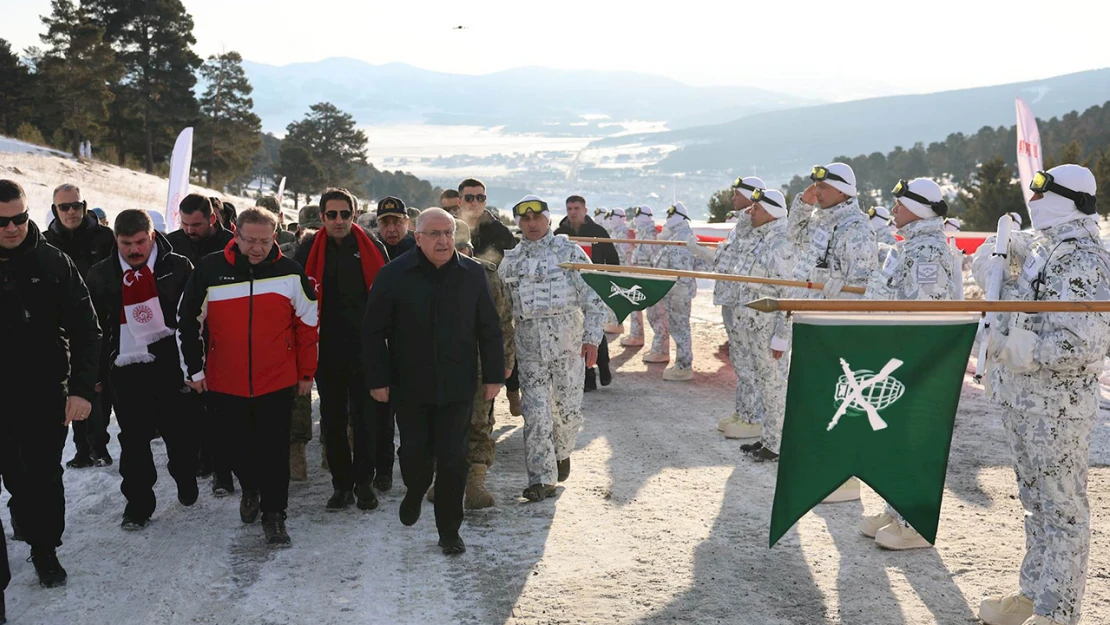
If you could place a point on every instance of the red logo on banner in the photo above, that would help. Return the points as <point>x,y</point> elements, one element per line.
<point>1029,149</point>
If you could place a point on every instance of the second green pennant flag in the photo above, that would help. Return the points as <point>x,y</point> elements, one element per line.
<point>872,396</point>
<point>626,293</point>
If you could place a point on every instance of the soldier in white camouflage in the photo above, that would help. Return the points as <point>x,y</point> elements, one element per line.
<point>833,245</point>
<point>882,225</point>
<point>762,340</point>
<point>1045,377</point>
<point>677,301</point>
<point>559,321</point>
<point>643,223</point>
<point>724,260</point>
<point>919,267</point>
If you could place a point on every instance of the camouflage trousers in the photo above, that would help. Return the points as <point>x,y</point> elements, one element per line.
<point>636,319</point>
<point>301,431</point>
<point>761,377</point>
<point>657,319</point>
<point>736,354</point>
<point>551,402</point>
<point>678,322</point>
<point>480,432</point>
<point>1051,455</point>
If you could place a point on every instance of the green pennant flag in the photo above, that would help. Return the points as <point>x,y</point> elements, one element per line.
<point>874,397</point>
<point>626,293</point>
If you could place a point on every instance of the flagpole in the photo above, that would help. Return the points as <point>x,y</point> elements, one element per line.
<point>955,306</point>
<point>638,241</point>
<point>703,275</point>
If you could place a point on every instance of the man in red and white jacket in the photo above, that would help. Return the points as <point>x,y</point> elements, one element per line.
<point>261,315</point>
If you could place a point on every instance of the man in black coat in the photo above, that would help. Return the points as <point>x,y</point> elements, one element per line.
<point>135,295</point>
<point>393,227</point>
<point>202,233</point>
<point>577,223</point>
<point>429,318</point>
<point>489,237</point>
<point>52,342</point>
<point>76,230</point>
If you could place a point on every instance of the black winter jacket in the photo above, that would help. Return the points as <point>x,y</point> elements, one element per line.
<point>105,281</point>
<point>491,239</point>
<point>184,246</point>
<point>602,253</point>
<point>50,329</point>
<point>89,244</point>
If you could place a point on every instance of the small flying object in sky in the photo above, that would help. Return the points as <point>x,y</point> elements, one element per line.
<point>459,28</point>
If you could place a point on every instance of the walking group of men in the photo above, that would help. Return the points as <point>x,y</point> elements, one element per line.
<point>422,328</point>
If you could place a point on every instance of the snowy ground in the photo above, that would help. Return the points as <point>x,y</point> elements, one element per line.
<point>662,522</point>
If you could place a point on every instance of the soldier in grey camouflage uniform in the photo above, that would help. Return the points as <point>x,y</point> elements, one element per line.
<point>919,267</point>
<point>643,224</point>
<point>681,294</point>
<point>763,340</point>
<point>833,245</point>
<point>1046,381</point>
<point>880,220</point>
<point>301,431</point>
<point>724,260</point>
<point>559,320</point>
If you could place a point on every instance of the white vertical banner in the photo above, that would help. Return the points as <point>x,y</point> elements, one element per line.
<point>281,191</point>
<point>180,165</point>
<point>1028,147</point>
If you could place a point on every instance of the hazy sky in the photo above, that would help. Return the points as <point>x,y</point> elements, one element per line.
<point>831,49</point>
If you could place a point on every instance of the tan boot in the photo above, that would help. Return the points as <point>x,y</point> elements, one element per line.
<point>514,402</point>
<point>848,491</point>
<point>1013,609</point>
<point>298,463</point>
<point>871,524</point>
<point>477,497</point>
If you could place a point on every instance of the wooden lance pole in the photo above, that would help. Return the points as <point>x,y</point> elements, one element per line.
<point>638,241</point>
<point>933,306</point>
<point>702,275</point>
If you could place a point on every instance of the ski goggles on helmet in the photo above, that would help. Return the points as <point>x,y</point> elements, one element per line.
<point>871,213</point>
<point>640,210</point>
<point>674,211</point>
<point>740,184</point>
<point>759,197</point>
<point>597,212</point>
<point>821,174</point>
<point>1043,182</point>
<point>531,206</point>
<point>902,190</point>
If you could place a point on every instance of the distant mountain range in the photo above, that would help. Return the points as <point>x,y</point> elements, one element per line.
<point>779,142</point>
<point>529,99</point>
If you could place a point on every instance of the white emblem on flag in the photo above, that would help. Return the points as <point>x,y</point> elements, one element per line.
<point>632,294</point>
<point>866,392</point>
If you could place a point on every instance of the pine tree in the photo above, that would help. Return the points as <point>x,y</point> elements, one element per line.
<point>303,174</point>
<point>1101,169</point>
<point>992,193</point>
<point>17,95</point>
<point>75,72</point>
<point>335,143</point>
<point>720,205</point>
<point>155,99</point>
<point>229,132</point>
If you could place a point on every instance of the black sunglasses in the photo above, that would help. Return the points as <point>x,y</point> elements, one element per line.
<point>18,220</point>
<point>481,197</point>
<point>333,214</point>
<point>70,206</point>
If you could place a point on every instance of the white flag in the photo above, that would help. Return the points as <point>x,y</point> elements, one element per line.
<point>281,191</point>
<point>180,165</point>
<point>1028,147</point>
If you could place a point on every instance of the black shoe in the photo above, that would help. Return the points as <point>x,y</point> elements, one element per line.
<point>766,455</point>
<point>383,483</point>
<point>340,500</point>
<point>204,468</point>
<point>273,525</point>
<point>591,380</point>
<point>102,458</point>
<point>188,492</point>
<point>564,469</point>
<point>248,506</point>
<point>51,573</point>
<point>81,461</point>
<point>605,375</point>
<point>134,522</point>
<point>539,492</point>
<point>410,507</point>
<point>751,448</point>
<point>222,487</point>
<point>453,545</point>
<point>367,500</point>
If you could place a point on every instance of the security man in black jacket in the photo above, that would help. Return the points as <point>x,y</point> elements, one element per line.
<point>393,227</point>
<point>48,323</point>
<point>144,363</point>
<point>77,231</point>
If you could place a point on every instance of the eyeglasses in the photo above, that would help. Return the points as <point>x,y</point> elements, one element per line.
<point>531,206</point>
<point>69,206</point>
<point>18,220</point>
<point>740,184</point>
<point>469,198</point>
<point>902,190</point>
<point>759,196</point>
<point>437,234</point>
<point>332,215</point>
<point>820,174</point>
<point>256,242</point>
<point>1043,182</point>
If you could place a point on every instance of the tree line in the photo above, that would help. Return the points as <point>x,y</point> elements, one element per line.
<point>122,75</point>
